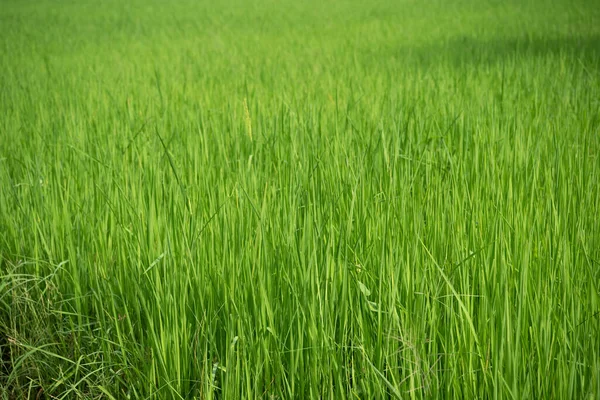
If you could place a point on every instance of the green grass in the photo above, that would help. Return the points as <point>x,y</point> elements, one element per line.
<point>280,199</point>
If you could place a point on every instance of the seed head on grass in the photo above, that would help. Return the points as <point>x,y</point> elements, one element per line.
<point>247,119</point>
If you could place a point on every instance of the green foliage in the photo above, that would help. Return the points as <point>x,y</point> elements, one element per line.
<point>277,199</point>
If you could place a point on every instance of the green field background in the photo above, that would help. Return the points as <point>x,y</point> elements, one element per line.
<point>300,199</point>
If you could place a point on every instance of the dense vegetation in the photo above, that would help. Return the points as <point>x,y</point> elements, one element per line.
<point>282,199</point>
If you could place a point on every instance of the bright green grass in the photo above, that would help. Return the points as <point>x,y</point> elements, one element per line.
<point>314,199</point>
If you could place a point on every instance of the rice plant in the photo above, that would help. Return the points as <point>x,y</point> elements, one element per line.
<point>279,200</point>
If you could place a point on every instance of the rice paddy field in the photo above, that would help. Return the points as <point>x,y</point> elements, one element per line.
<point>300,200</point>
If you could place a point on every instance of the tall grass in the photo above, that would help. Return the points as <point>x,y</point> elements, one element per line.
<point>300,200</point>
